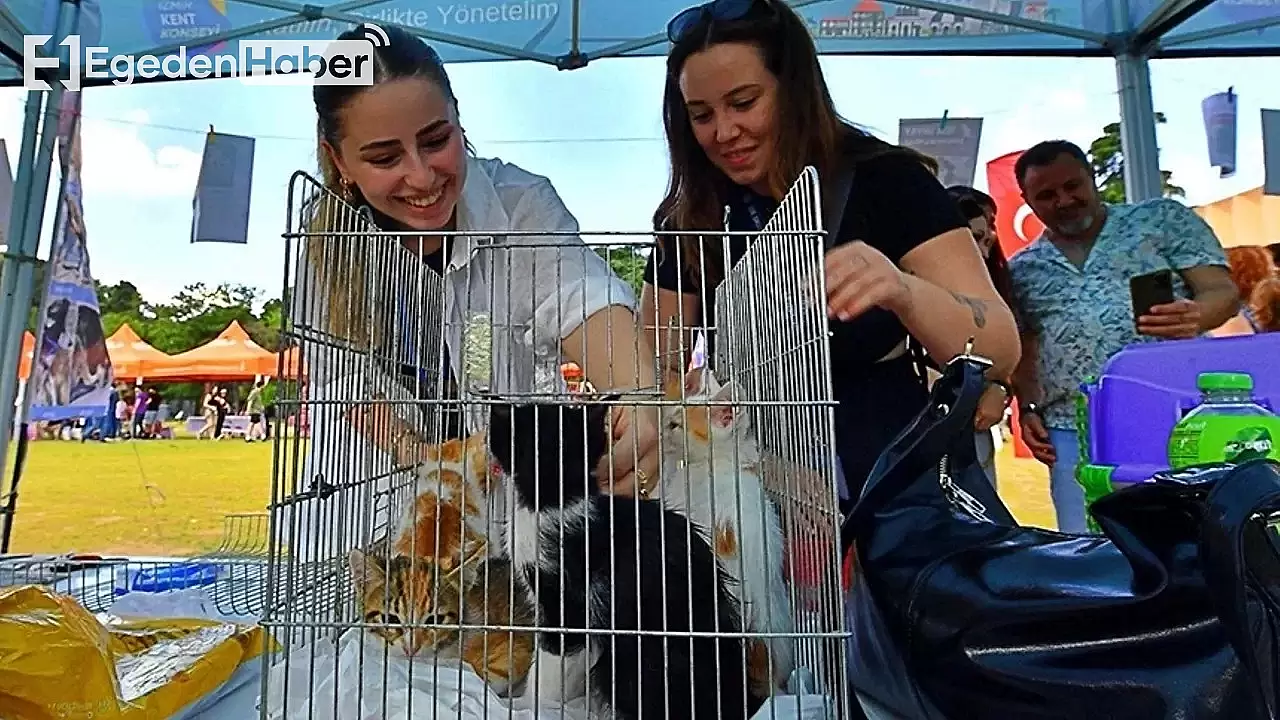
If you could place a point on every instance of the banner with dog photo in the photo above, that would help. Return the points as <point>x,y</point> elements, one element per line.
<point>72,377</point>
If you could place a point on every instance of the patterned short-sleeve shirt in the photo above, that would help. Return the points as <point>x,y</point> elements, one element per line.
<point>1083,316</point>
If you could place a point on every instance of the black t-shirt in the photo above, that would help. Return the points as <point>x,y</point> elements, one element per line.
<point>895,205</point>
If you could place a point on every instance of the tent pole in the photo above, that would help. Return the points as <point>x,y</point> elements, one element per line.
<point>1142,178</point>
<point>27,217</point>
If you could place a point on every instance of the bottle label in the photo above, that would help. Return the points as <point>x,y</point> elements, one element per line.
<point>1223,439</point>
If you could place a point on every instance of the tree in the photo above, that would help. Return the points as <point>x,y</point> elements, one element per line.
<point>627,263</point>
<point>1107,156</point>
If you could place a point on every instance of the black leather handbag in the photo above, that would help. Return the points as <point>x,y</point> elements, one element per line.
<point>958,612</point>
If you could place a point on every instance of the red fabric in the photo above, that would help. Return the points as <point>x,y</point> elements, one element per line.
<point>1016,225</point>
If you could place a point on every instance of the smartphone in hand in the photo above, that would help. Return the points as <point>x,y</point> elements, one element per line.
<point>1147,291</point>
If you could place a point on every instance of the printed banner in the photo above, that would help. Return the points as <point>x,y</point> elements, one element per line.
<point>220,209</point>
<point>6,193</point>
<point>1016,225</point>
<point>72,377</point>
<point>1219,112</point>
<point>1271,151</point>
<point>953,142</point>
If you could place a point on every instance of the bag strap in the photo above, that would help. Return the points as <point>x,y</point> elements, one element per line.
<point>926,439</point>
<point>1232,530</point>
<point>835,199</point>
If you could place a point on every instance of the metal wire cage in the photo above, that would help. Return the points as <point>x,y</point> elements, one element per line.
<point>425,556</point>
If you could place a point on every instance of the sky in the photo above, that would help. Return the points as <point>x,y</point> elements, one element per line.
<point>596,133</point>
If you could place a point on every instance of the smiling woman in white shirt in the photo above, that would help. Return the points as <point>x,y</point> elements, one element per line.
<point>514,258</point>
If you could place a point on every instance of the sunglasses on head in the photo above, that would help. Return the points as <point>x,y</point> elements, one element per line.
<point>721,10</point>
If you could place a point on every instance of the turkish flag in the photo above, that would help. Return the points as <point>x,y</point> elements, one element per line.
<point>1016,225</point>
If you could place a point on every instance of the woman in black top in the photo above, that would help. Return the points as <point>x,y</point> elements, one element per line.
<point>746,108</point>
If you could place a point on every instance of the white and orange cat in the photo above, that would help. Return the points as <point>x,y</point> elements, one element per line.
<point>711,474</point>
<point>451,501</point>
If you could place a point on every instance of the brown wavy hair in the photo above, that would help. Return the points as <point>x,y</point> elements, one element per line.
<point>1265,302</point>
<point>1250,265</point>
<point>812,132</point>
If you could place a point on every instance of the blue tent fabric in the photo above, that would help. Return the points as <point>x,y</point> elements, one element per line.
<point>546,31</point>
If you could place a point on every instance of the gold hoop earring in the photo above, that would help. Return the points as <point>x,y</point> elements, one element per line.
<point>346,189</point>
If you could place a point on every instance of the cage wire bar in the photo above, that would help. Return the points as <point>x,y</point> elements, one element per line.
<point>404,523</point>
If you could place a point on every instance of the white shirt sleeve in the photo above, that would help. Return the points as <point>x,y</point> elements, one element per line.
<point>563,281</point>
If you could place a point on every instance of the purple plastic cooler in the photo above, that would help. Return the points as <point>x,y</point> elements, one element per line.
<point>1145,389</point>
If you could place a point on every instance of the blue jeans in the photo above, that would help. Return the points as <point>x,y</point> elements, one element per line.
<point>1068,496</point>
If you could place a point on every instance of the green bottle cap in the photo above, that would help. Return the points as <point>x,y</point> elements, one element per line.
<point>1241,382</point>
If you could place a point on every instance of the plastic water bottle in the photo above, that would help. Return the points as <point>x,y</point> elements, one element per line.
<point>1228,425</point>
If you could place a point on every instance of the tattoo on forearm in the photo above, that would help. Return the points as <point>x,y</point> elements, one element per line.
<point>976,306</point>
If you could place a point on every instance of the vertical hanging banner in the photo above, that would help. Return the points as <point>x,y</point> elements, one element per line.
<point>6,193</point>
<point>1219,111</point>
<point>1271,152</point>
<point>72,377</point>
<point>953,142</point>
<point>220,209</point>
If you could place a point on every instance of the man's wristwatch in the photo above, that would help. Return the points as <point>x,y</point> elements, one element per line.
<point>1029,409</point>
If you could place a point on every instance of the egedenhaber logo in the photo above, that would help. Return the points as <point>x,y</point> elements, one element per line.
<point>375,34</point>
<point>276,61</point>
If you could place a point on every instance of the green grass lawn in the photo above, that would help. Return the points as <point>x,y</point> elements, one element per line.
<point>162,497</point>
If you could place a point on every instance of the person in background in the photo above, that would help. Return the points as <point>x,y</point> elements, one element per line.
<point>221,409</point>
<point>111,427</point>
<point>979,210</point>
<point>1072,299</point>
<point>140,413</point>
<point>746,108</point>
<point>124,405</point>
<point>152,420</point>
<point>1250,265</point>
<point>209,410</point>
<point>1266,304</point>
<point>253,407</point>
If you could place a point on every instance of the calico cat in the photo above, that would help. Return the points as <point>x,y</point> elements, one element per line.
<point>601,562</point>
<point>711,474</point>
<point>407,596</point>
<point>450,501</point>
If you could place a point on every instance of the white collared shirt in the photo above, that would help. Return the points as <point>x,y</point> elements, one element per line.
<point>534,290</point>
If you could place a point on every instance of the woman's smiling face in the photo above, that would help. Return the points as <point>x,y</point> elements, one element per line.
<point>401,145</point>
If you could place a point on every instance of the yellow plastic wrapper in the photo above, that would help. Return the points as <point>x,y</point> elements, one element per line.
<point>57,660</point>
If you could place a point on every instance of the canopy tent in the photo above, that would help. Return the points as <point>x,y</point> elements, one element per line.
<point>231,357</point>
<point>571,33</point>
<point>1250,218</point>
<point>292,362</point>
<point>132,358</point>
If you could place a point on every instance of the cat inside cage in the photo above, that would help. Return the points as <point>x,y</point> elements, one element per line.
<point>460,546</point>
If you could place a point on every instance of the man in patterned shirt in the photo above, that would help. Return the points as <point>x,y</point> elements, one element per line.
<point>1071,292</point>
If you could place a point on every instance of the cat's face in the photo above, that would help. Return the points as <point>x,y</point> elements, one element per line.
<point>554,449</point>
<point>688,430</point>
<point>404,597</point>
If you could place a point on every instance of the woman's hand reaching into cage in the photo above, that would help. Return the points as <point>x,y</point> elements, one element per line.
<point>635,460</point>
<point>391,434</point>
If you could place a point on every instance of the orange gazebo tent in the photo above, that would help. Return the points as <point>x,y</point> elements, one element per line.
<point>231,357</point>
<point>132,357</point>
